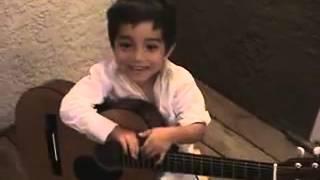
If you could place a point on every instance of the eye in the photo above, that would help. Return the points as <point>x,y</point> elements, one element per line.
<point>152,47</point>
<point>124,45</point>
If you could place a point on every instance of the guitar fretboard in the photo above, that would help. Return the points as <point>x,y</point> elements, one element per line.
<point>205,165</point>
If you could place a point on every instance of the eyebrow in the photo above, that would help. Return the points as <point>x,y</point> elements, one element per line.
<point>154,39</point>
<point>124,37</point>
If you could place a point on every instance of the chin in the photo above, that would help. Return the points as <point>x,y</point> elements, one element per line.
<point>138,77</point>
<point>139,81</point>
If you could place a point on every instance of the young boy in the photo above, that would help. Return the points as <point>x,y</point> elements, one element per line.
<point>142,34</point>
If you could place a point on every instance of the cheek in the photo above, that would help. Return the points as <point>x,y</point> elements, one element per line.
<point>121,57</point>
<point>158,62</point>
<point>158,58</point>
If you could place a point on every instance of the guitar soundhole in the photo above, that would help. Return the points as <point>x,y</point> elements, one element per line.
<point>86,168</point>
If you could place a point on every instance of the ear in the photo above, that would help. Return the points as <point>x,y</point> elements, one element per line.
<point>170,51</point>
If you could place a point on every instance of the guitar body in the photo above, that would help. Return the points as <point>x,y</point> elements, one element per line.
<point>31,127</point>
<point>50,150</point>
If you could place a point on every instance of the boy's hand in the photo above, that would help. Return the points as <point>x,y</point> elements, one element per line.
<point>127,139</point>
<point>158,141</point>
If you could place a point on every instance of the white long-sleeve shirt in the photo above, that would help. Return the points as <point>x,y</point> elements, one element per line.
<point>176,95</point>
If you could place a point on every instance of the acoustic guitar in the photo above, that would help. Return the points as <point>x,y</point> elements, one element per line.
<point>52,151</point>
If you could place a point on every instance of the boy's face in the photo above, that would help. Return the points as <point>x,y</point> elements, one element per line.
<point>139,51</point>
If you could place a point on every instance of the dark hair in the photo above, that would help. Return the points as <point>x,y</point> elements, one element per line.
<point>161,12</point>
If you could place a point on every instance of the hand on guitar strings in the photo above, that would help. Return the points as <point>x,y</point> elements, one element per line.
<point>158,142</point>
<point>127,139</point>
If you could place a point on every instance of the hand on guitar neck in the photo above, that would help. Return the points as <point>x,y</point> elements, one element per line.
<point>156,142</point>
<point>127,139</point>
<point>160,139</point>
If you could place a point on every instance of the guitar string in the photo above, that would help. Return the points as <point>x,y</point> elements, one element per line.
<point>217,162</point>
<point>251,165</point>
<point>234,165</point>
<point>211,169</point>
<point>223,171</point>
<point>209,161</point>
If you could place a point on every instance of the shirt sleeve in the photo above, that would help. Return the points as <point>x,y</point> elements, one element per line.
<point>189,103</point>
<point>77,107</point>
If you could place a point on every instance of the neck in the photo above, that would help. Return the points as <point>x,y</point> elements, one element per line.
<point>148,83</point>
<point>147,88</point>
<point>208,166</point>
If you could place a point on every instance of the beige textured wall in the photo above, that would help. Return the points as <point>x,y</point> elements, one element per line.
<point>46,39</point>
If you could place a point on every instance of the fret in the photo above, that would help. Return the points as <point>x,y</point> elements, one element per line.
<point>183,163</point>
<point>197,166</point>
<point>233,170</point>
<point>215,168</point>
<point>122,161</point>
<point>130,163</point>
<point>144,162</point>
<point>174,163</point>
<point>154,165</point>
<point>245,170</point>
<point>148,162</point>
<point>228,168</point>
<point>259,171</point>
<point>134,162</point>
<point>167,163</point>
<point>141,161</point>
<point>201,166</point>
<point>127,161</point>
<point>221,167</point>
<point>211,167</point>
<point>192,168</point>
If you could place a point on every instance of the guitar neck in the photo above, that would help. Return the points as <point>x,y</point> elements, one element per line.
<point>206,165</point>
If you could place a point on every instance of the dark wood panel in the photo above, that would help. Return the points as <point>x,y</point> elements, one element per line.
<point>264,55</point>
<point>256,133</point>
<point>231,145</point>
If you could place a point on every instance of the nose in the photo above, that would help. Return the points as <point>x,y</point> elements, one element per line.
<point>139,54</point>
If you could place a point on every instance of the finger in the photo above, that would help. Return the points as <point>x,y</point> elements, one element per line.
<point>161,158</point>
<point>136,147</point>
<point>124,146</point>
<point>133,147</point>
<point>154,153</point>
<point>146,145</point>
<point>151,152</point>
<point>145,133</point>
<point>147,148</point>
